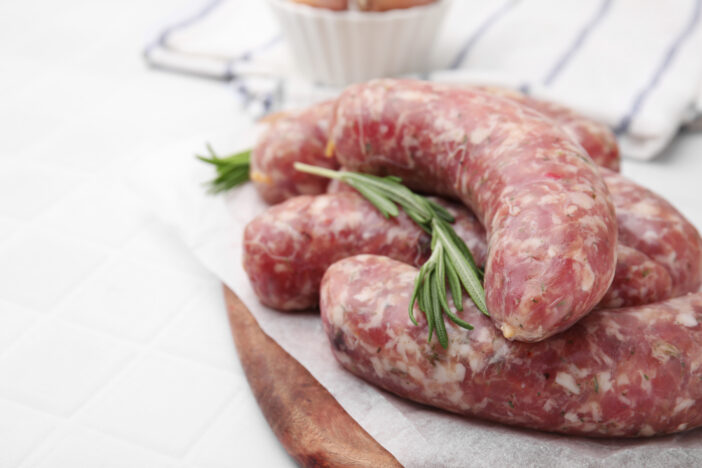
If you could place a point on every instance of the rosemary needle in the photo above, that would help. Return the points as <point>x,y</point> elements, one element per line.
<point>450,260</point>
<point>232,170</point>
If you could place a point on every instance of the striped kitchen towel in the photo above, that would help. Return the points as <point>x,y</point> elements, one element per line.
<point>634,64</point>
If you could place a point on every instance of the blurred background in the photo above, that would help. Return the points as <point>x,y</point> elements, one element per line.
<point>114,345</point>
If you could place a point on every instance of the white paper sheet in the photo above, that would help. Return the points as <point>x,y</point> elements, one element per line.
<point>212,227</point>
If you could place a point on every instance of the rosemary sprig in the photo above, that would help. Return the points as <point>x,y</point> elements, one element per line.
<point>232,170</point>
<point>450,260</point>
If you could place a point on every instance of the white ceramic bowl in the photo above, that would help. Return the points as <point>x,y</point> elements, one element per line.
<point>343,47</point>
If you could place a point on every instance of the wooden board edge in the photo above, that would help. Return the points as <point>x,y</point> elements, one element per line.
<point>312,426</point>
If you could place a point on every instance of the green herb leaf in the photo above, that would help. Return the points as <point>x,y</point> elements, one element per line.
<point>455,285</point>
<point>465,269</point>
<point>232,170</point>
<point>428,303</point>
<point>385,206</point>
<point>436,310</point>
<point>441,211</point>
<point>450,261</point>
<point>441,278</point>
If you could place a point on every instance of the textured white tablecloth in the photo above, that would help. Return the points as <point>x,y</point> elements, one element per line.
<point>115,349</point>
<point>114,345</point>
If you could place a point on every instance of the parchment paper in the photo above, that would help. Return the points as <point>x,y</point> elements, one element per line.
<point>212,227</point>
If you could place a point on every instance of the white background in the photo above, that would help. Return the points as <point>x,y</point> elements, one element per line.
<point>114,345</point>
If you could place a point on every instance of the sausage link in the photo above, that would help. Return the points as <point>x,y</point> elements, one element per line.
<point>626,372</point>
<point>596,138</point>
<point>302,136</point>
<point>551,225</point>
<point>291,137</point>
<point>651,225</point>
<point>638,280</point>
<point>648,225</point>
<point>288,248</point>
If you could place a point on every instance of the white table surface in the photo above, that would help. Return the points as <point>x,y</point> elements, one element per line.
<point>114,344</point>
<point>115,349</point>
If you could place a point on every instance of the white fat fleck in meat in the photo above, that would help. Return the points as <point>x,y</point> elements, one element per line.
<point>532,243</point>
<point>644,208</point>
<point>578,372</point>
<point>338,314</point>
<point>319,206</point>
<point>588,277</point>
<point>647,431</point>
<point>588,427</point>
<point>349,220</point>
<point>476,360</point>
<point>668,259</point>
<point>595,410</point>
<point>412,95</point>
<point>549,199</point>
<point>650,236</point>
<point>409,141</point>
<point>681,404</point>
<point>378,366</point>
<point>365,294</point>
<point>625,400</point>
<point>548,405</point>
<point>604,381</point>
<point>283,218</point>
<point>483,335</point>
<point>567,381</point>
<point>394,234</point>
<point>450,135</point>
<point>686,318</point>
<point>623,379</point>
<point>612,329</point>
<point>445,373</point>
<point>376,319</point>
<point>645,382</point>
<point>663,351</point>
<point>456,396</point>
<point>501,350</point>
<point>479,135</point>
<point>571,417</point>
<point>416,373</point>
<point>281,267</point>
<point>407,347</point>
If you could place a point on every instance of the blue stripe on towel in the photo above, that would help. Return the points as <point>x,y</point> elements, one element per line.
<point>579,40</point>
<point>670,54</point>
<point>247,55</point>
<point>482,29</point>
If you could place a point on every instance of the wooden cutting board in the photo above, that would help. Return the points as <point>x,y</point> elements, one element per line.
<point>308,421</point>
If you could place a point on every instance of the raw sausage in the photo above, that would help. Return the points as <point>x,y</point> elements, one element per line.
<point>625,372</point>
<point>290,137</point>
<point>302,136</point>
<point>288,248</point>
<point>309,234</point>
<point>651,225</point>
<point>659,255</point>
<point>552,232</point>
<point>596,138</point>
<point>638,280</point>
